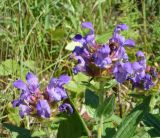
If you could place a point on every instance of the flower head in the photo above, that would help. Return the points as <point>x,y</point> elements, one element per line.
<point>55,89</point>
<point>27,89</point>
<point>34,102</point>
<point>92,58</point>
<point>135,72</point>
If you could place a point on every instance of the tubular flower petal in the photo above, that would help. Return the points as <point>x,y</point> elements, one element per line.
<point>43,109</point>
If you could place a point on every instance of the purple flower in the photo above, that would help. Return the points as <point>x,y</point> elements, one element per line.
<point>67,108</point>
<point>145,83</point>
<point>120,40</point>
<point>122,71</point>
<point>43,109</point>
<point>139,67</point>
<point>32,85</point>
<point>29,89</point>
<point>141,58</point>
<point>89,38</point>
<point>117,43</point>
<point>119,54</point>
<point>148,82</point>
<point>79,38</point>
<point>101,57</point>
<point>55,89</point>
<point>16,103</point>
<point>140,54</point>
<point>138,74</point>
<point>24,110</point>
<point>32,81</point>
<point>139,77</point>
<point>83,54</point>
<point>56,94</point>
<point>19,84</point>
<point>80,67</point>
<point>120,27</point>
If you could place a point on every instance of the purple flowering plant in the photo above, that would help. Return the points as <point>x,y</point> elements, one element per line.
<point>108,67</point>
<point>38,103</point>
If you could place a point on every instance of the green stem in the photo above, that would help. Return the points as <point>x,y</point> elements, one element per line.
<point>101,99</point>
<point>100,127</point>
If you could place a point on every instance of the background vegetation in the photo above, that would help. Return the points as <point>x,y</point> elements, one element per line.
<point>34,34</point>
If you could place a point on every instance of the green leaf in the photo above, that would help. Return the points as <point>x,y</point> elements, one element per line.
<point>93,86</point>
<point>8,67</point>
<point>22,132</point>
<point>70,128</point>
<point>75,85</point>
<point>30,64</point>
<point>13,114</point>
<point>109,132</point>
<point>116,119</point>
<point>141,133</point>
<point>107,107</point>
<point>110,84</point>
<point>38,133</point>
<point>152,121</point>
<point>129,124</point>
<point>91,103</point>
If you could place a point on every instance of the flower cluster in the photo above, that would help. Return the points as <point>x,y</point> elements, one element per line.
<point>136,72</point>
<point>34,102</point>
<point>93,59</point>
